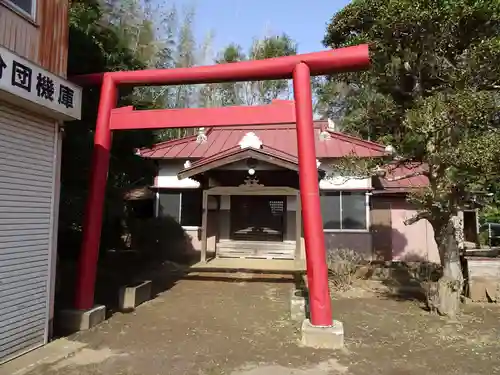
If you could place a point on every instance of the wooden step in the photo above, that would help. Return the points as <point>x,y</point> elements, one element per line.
<point>249,265</point>
<point>256,249</point>
<point>260,244</point>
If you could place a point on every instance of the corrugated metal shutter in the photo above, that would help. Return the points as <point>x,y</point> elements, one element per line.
<point>26,193</point>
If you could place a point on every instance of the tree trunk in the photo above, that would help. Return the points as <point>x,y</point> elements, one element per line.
<point>445,299</point>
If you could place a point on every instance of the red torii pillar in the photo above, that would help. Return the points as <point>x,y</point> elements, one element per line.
<point>300,68</point>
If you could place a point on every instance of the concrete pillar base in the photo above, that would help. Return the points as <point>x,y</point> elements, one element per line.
<point>297,305</point>
<point>323,337</point>
<point>131,296</point>
<point>81,320</point>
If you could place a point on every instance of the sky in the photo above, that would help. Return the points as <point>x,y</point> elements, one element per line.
<point>239,21</point>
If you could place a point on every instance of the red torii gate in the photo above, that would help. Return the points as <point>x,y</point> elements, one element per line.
<point>299,67</point>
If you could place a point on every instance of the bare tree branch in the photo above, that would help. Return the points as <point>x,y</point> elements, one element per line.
<point>408,175</point>
<point>419,216</point>
<point>493,87</point>
<point>448,62</point>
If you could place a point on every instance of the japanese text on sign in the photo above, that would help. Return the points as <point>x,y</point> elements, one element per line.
<point>30,82</point>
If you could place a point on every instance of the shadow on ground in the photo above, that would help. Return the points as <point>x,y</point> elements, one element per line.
<point>243,328</point>
<point>120,268</point>
<point>403,281</point>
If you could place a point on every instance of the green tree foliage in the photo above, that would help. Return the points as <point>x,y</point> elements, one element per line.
<point>184,52</point>
<point>252,93</point>
<point>161,36</point>
<point>432,92</point>
<point>96,46</point>
<point>269,47</point>
<point>231,93</point>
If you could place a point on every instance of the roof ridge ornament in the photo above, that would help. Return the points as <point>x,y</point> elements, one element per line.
<point>390,150</point>
<point>331,125</point>
<point>325,135</point>
<point>250,140</point>
<point>202,136</point>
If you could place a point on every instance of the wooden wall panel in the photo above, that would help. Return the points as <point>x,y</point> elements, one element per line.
<point>44,40</point>
<point>54,33</point>
<point>18,34</point>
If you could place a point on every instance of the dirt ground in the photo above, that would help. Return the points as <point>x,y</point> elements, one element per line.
<point>216,326</point>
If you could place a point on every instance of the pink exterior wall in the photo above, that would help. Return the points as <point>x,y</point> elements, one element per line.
<point>411,242</point>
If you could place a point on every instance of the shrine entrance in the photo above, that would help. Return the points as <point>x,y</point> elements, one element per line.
<point>258,223</point>
<point>258,218</point>
<point>300,68</point>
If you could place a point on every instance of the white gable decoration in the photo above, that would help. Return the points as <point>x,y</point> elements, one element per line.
<point>250,140</point>
<point>202,136</point>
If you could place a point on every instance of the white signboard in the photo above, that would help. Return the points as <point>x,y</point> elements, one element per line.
<point>26,80</point>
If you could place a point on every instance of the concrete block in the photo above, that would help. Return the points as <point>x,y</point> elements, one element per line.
<point>81,320</point>
<point>484,290</point>
<point>297,305</point>
<point>323,337</point>
<point>133,295</point>
<point>477,290</point>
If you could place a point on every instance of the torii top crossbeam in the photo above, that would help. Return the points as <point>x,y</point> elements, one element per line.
<point>325,62</point>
